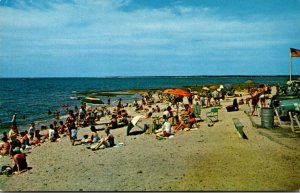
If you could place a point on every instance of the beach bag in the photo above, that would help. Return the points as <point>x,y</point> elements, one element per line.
<point>6,170</point>
<point>230,108</point>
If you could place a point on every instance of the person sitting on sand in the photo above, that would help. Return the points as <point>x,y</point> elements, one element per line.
<point>52,135</point>
<point>179,124</point>
<point>166,113</point>
<point>157,108</point>
<point>5,146</point>
<point>20,163</point>
<point>122,117</point>
<point>14,146</point>
<point>107,141</point>
<point>94,135</point>
<point>165,129</point>
<point>169,109</point>
<point>192,120</point>
<point>61,128</point>
<point>186,112</point>
<point>24,140</point>
<point>113,122</point>
<point>36,139</point>
<point>189,123</point>
<point>160,121</point>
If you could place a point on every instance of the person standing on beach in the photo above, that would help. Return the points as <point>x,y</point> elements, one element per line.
<point>70,122</point>
<point>13,133</point>
<point>108,100</point>
<point>254,100</point>
<point>14,119</point>
<point>56,113</point>
<point>216,97</point>
<point>31,130</point>
<point>208,98</point>
<point>119,106</point>
<point>13,138</point>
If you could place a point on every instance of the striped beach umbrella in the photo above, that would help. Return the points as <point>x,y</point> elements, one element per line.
<point>92,100</point>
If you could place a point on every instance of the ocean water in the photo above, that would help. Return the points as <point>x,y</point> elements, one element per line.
<point>31,98</point>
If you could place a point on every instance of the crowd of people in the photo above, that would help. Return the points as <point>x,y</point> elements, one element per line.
<point>258,95</point>
<point>15,143</point>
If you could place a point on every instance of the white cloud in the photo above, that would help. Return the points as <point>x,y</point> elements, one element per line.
<point>101,29</point>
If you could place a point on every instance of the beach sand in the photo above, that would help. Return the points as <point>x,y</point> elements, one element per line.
<point>203,159</point>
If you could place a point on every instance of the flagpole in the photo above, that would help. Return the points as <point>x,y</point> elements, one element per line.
<point>290,68</point>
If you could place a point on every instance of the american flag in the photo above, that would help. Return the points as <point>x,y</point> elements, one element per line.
<point>295,52</point>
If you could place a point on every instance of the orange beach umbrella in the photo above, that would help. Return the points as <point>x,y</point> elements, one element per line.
<point>177,91</point>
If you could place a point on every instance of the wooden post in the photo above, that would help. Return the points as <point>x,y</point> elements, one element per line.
<point>291,64</point>
<point>277,115</point>
<point>292,121</point>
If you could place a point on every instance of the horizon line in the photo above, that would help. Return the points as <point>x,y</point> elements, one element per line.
<point>146,76</point>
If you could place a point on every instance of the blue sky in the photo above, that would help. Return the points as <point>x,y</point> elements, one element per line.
<point>96,38</point>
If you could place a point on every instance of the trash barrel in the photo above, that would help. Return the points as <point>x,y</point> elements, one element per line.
<point>267,117</point>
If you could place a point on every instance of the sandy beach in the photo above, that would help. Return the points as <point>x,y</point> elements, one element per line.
<point>203,159</point>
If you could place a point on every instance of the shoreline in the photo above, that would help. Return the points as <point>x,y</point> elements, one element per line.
<point>203,159</point>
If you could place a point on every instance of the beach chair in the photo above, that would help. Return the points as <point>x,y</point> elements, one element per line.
<point>212,115</point>
<point>197,111</point>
